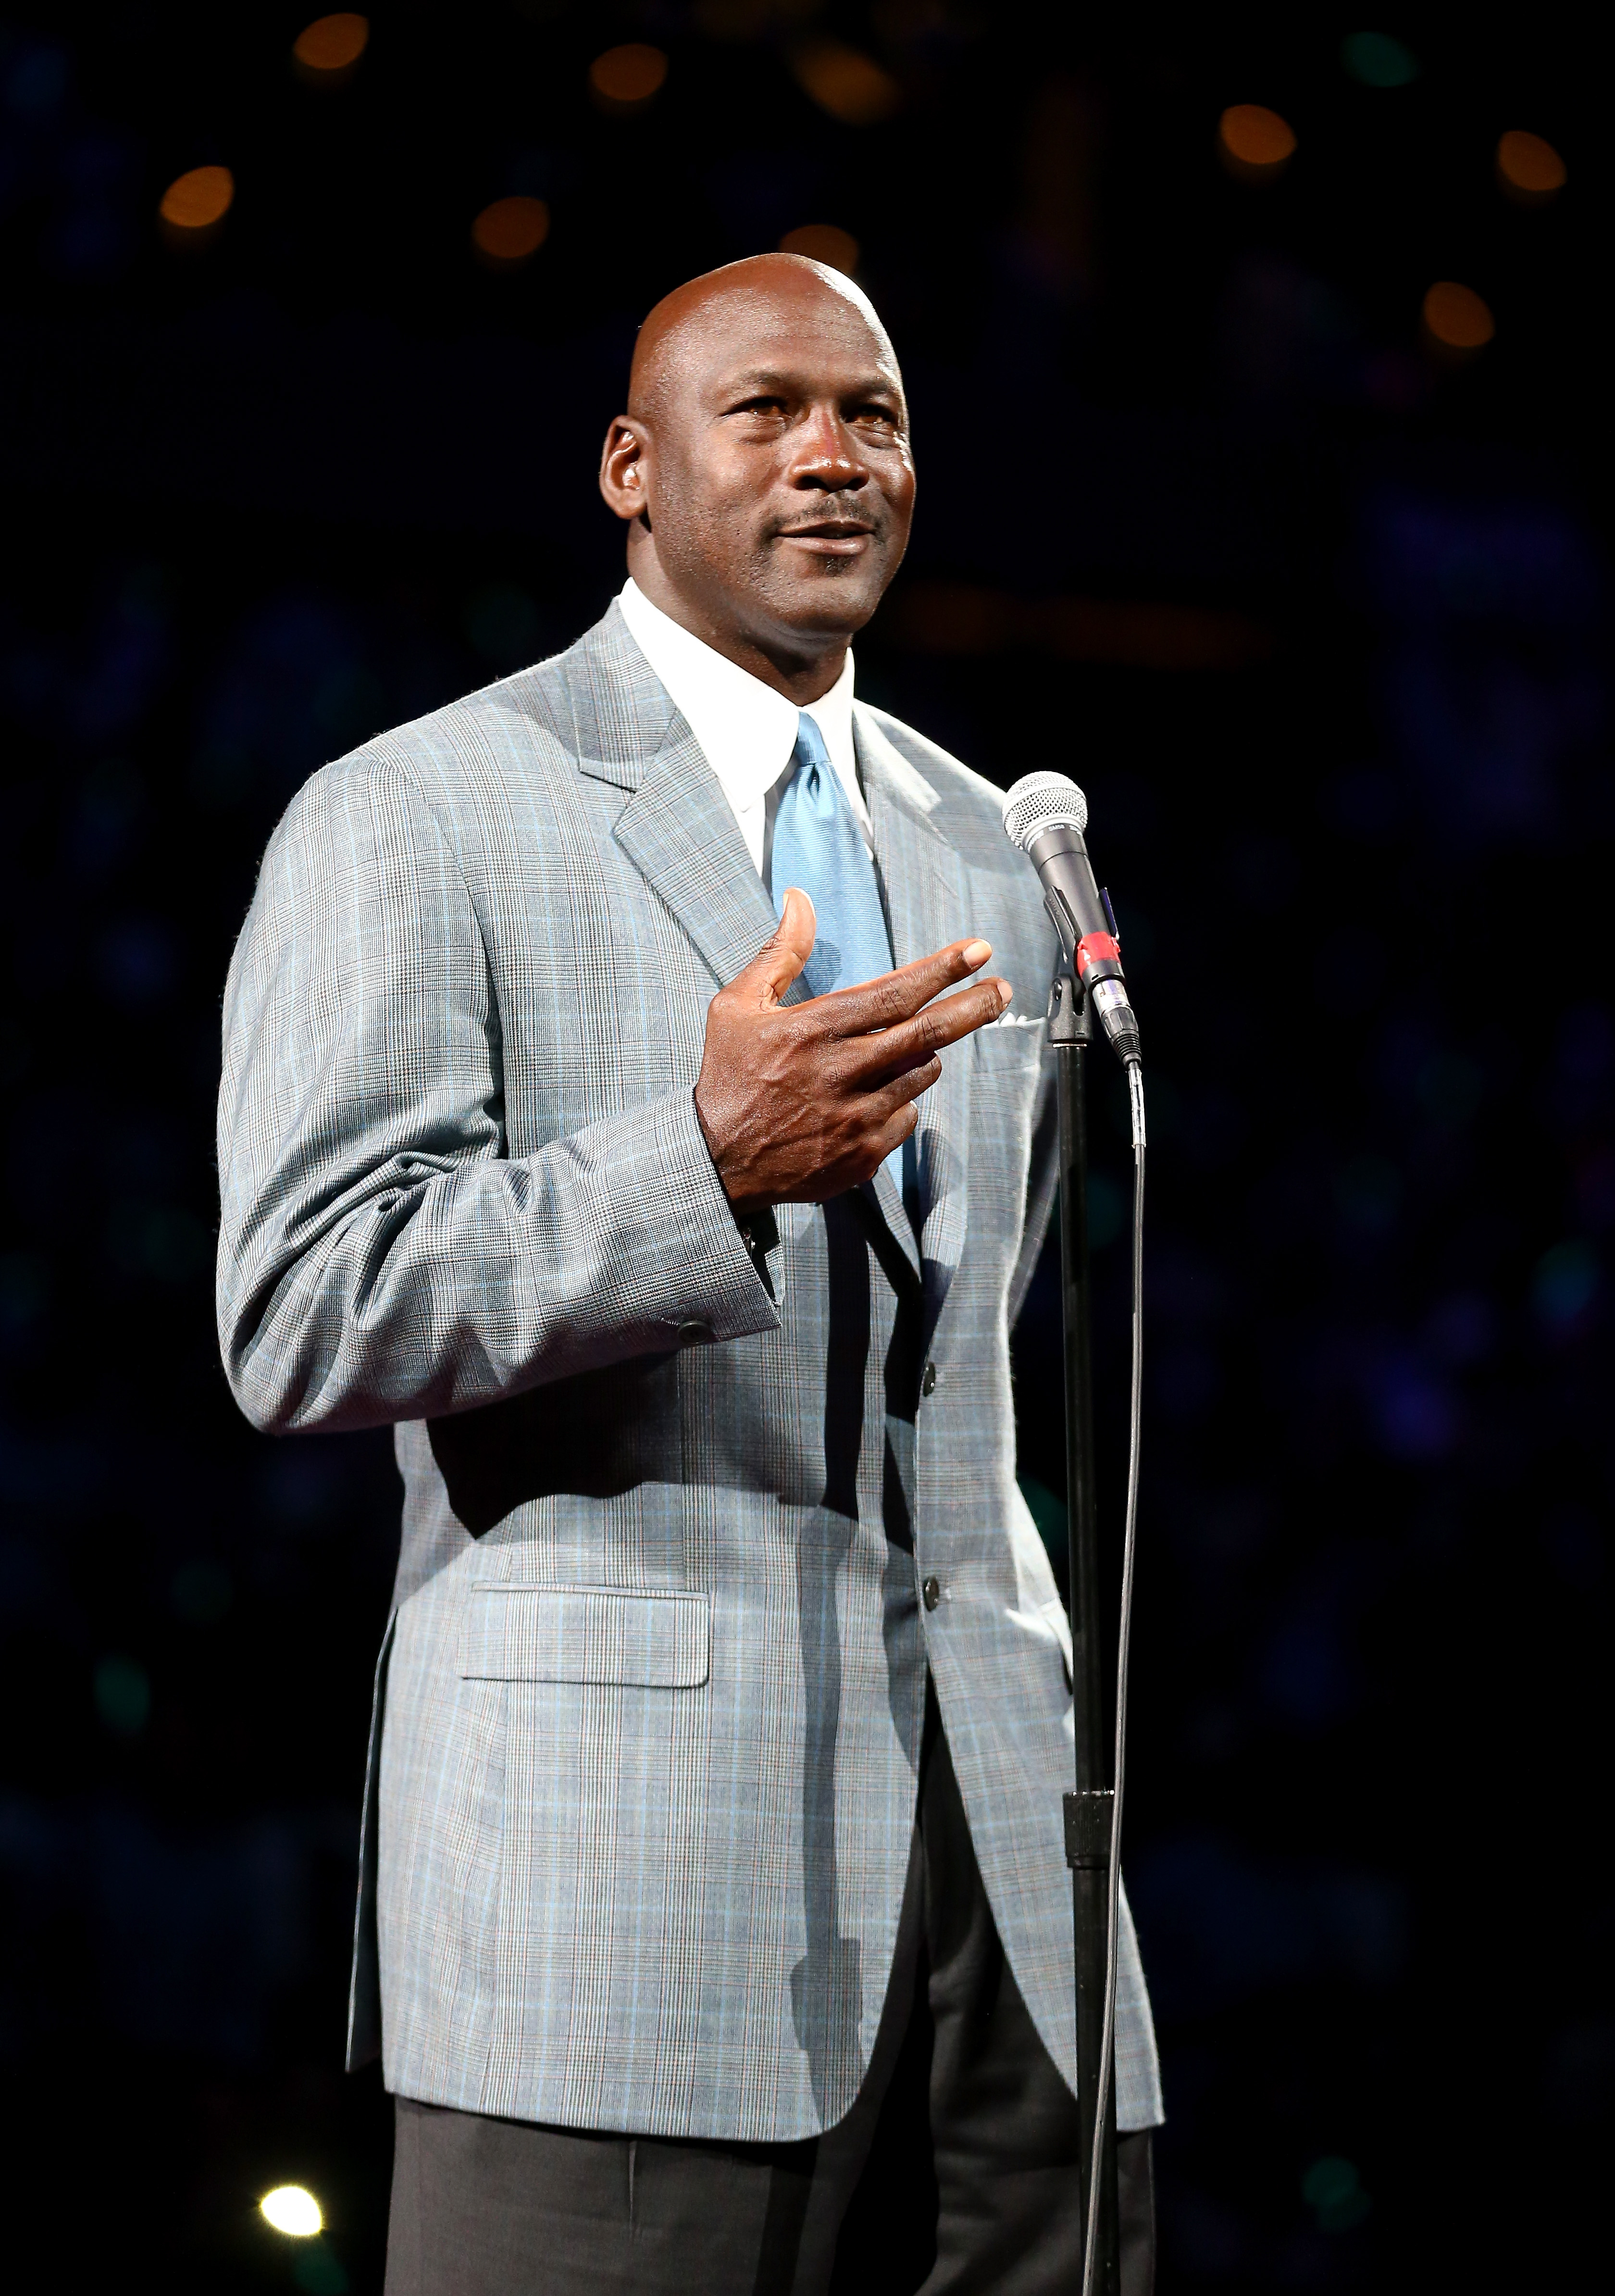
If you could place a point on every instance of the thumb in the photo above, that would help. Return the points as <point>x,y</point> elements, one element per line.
<point>783,955</point>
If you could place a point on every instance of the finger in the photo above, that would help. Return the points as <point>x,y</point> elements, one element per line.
<point>897,1129</point>
<point>771,971</point>
<point>897,1091</point>
<point>895,997</point>
<point>943,1023</point>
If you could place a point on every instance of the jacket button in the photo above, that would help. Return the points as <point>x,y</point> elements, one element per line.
<point>927,1379</point>
<point>692,1333</point>
<point>932,1592</point>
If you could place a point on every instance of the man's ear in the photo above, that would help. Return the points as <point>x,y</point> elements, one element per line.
<point>625,470</point>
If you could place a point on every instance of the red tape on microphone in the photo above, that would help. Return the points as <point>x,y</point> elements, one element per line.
<point>1096,947</point>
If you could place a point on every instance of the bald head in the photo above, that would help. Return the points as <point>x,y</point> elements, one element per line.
<point>763,465</point>
<point>743,300</point>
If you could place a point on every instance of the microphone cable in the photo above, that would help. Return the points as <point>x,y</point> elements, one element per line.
<point>1124,1636</point>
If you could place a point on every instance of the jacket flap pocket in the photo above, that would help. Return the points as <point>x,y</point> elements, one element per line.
<point>587,1634</point>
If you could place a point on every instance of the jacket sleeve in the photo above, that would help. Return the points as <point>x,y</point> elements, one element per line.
<point>380,1258</point>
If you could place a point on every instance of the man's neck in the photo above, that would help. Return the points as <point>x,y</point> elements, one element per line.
<point>803,674</point>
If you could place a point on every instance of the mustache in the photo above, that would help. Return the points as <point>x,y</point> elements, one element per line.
<point>856,507</point>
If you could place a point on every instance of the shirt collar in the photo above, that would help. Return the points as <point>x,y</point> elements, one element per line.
<point>747,730</point>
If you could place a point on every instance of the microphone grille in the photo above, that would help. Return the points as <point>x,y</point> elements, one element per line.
<point>1040,801</point>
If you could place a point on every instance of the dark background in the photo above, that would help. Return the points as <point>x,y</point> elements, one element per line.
<point>1318,621</point>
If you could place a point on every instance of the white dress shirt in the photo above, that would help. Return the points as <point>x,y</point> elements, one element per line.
<point>747,730</point>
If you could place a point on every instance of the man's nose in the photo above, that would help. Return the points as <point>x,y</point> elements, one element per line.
<point>827,454</point>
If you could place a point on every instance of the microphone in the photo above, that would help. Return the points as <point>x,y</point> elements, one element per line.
<point>1045,814</point>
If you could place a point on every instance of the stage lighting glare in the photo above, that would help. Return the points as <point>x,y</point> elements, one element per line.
<point>1456,322</point>
<point>191,211</point>
<point>510,232</point>
<point>847,84</point>
<point>825,242</point>
<point>1378,60</point>
<point>292,2209</point>
<point>1529,168</point>
<point>1254,144</point>
<point>326,53</point>
<point>627,78</point>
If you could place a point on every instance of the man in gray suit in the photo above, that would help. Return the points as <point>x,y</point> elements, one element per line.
<point>593,1114</point>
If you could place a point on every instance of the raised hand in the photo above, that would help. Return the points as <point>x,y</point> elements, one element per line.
<point>801,1102</point>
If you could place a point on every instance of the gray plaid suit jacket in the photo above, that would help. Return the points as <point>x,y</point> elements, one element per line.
<point>643,1779</point>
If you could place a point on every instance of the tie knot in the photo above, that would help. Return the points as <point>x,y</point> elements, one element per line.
<point>810,750</point>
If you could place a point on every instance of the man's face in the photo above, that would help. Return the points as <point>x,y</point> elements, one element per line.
<point>778,479</point>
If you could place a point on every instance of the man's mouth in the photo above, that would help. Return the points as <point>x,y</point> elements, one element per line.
<point>833,537</point>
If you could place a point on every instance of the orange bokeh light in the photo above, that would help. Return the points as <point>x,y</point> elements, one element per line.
<point>192,209</point>
<point>825,242</point>
<point>327,52</point>
<point>1529,168</point>
<point>951,618</point>
<point>847,84</point>
<point>510,232</point>
<point>627,78</point>
<point>1254,143</point>
<point>1455,319</point>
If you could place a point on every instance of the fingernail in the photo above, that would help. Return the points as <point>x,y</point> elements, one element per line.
<point>1005,996</point>
<point>977,952</point>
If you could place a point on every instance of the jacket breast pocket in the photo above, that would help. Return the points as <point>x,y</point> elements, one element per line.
<point>1010,1061</point>
<point>1013,1042</point>
<point>643,1639</point>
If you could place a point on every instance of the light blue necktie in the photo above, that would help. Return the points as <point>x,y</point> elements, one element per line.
<point>817,845</point>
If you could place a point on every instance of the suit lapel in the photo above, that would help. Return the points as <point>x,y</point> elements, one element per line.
<point>926,894</point>
<point>678,827</point>
<point>680,832</point>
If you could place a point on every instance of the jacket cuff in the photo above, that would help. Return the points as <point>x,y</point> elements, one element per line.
<point>711,1274</point>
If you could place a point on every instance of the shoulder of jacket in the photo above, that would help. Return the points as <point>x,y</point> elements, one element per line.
<point>529,714</point>
<point>969,800</point>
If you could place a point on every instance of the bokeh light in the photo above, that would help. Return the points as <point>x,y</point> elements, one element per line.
<point>825,242</point>
<point>1334,2189</point>
<point>956,618</point>
<point>1378,60</point>
<point>326,53</point>
<point>123,1695</point>
<point>510,232</point>
<point>1456,322</point>
<point>292,2209</point>
<point>627,78</point>
<point>847,84</point>
<point>1529,168</point>
<point>1565,1285</point>
<point>191,211</point>
<point>1254,144</point>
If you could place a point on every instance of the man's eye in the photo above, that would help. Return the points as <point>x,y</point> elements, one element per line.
<point>882,417</point>
<point>760,406</point>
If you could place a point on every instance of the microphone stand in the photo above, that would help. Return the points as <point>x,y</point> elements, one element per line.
<point>1088,1810</point>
